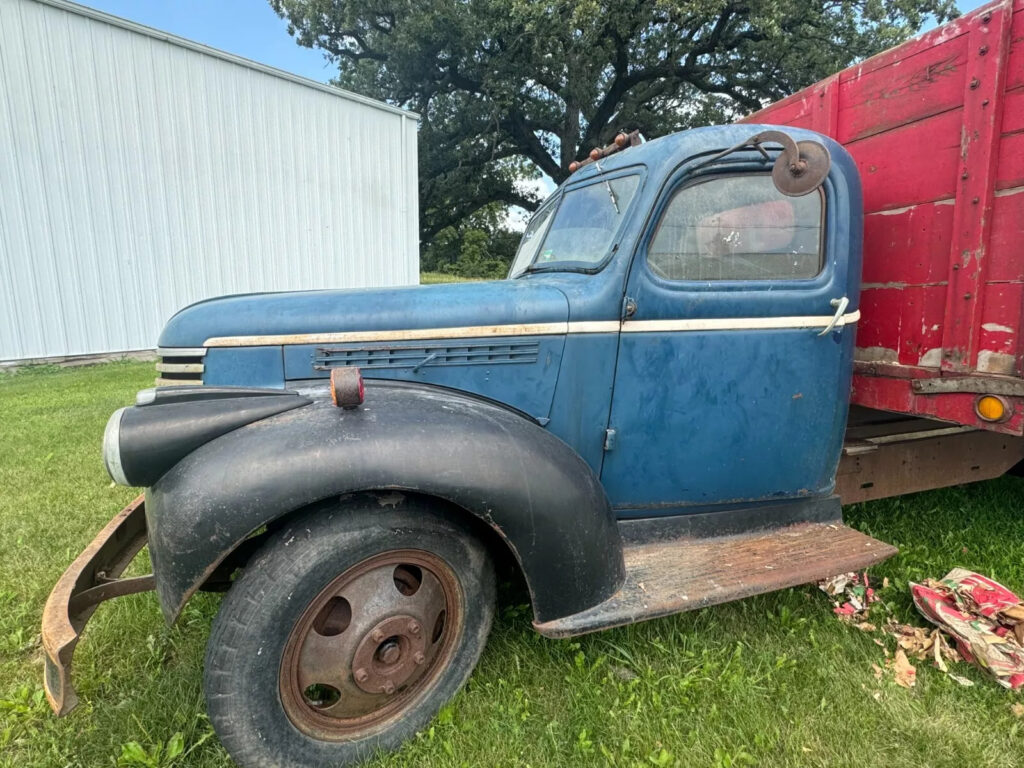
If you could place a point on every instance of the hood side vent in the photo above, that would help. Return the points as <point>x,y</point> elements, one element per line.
<point>425,355</point>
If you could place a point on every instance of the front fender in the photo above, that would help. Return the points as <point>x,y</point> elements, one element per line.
<point>528,485</point>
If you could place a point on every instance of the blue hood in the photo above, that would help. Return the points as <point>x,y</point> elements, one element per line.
<point>518,370</point>
<point>425,306</point>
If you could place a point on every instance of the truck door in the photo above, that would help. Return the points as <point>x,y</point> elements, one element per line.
<point>726,388</point>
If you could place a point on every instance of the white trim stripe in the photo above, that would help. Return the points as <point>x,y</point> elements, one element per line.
<point>535,329</point>
<point>181,351</point>
<point>180,367</point>
<point>737,323</point>
<point>461,332</point>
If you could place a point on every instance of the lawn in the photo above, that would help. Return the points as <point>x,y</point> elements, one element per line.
<point>773,680</point>
<point>430,278</point>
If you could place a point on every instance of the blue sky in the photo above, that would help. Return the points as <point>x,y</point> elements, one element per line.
<point>248,28</point>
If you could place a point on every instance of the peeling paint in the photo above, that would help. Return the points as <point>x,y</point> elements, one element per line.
<point>875,355</point>
<point>907,208</point>
<point>931,359</point>
<point>996,362</point>
<point>997,328</point>
<point>1009,191</point>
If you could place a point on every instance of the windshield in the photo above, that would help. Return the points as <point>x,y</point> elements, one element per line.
<point>580,230</point>
<point>532,238</point>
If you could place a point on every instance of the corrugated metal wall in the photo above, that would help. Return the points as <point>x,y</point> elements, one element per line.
<point>140,173</point>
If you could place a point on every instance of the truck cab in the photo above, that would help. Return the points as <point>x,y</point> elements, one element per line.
<point>645,417</point>
<point>662,317</point>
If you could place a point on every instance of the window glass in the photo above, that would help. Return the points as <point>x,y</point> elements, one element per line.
<point>582,229</point>
<point>738,228</point>
<point>531,240</point>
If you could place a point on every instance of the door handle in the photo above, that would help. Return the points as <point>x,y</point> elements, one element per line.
<point>840,305</point>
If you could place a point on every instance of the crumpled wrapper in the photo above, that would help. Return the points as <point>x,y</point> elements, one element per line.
<point>984,618</point>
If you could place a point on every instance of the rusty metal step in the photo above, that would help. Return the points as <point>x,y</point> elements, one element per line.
<point>683,574</point>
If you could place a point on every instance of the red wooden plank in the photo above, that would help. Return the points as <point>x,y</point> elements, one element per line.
<point>908,245</point>
<point>783,112</point>
<point>901,325</point>
<point>1011,161</point>
<point>999,331</point>
<point>924,84</point>
<point>1015,73</point>
<point>814,107</point>
<point>1006,251</point>
<point>912,164</point>
<point>1013,110</point>
<point>988,46</point>
<point>826,112</point>
<point>923,42</point>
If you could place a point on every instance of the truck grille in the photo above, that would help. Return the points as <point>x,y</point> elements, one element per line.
<point>426,355</point>
<point>179,366</point>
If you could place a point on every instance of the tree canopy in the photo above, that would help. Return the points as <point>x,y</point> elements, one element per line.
<point>512,89</point>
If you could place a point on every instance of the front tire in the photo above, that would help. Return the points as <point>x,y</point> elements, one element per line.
<point>346,633</point>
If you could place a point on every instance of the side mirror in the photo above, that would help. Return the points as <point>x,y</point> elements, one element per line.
<point>800,168</point>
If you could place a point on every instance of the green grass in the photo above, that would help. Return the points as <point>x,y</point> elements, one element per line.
<point>774,680</point>
<point>430,278</point>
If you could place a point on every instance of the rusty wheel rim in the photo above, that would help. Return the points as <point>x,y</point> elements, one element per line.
<point>370,643</point>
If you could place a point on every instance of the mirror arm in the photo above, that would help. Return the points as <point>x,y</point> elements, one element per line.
<point>800,168</point>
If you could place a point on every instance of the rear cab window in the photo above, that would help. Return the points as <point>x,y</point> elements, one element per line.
<point>738,228</point>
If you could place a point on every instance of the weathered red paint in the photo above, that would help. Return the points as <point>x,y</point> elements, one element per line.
<point>936,127</point>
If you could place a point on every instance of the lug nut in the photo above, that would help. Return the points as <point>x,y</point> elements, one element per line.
<point>419,658</point>
<point>414,628</point>
<point>361,675</point>
<point>389,687</point>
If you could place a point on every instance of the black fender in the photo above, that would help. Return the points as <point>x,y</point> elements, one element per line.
<point>534,490</point>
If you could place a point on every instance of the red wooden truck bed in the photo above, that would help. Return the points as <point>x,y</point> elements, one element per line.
<point>936,127</point>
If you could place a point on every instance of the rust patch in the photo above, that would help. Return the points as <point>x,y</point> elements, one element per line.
<point>88,581</point>
<point>666,577</point>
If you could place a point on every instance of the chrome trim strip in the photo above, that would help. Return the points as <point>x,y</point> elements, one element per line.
<point>181,351</point>
<point>180,367</point>
<point>536,329</point>
<point>737,323</point>
<point>418,334</point>
<point>159,382</point>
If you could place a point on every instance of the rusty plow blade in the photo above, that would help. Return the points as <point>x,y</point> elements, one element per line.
<point>90,580</point>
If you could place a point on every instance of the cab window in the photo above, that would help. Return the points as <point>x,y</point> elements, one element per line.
<point>738,228</point>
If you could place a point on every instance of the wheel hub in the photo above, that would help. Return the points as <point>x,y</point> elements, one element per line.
<point>390,655</point>
<point>369,643</point>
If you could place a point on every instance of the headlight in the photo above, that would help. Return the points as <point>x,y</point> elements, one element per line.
<point>142,442</point>
<point>112,448</point>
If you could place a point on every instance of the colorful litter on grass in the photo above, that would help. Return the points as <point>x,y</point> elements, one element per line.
<point>984,619</point>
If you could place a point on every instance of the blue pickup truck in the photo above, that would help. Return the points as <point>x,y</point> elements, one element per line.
<point>646,417</point>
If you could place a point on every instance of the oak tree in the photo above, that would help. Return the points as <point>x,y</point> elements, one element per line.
<point>509,89</point>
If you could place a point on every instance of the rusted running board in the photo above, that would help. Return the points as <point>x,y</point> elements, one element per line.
<point>675,575</point>
<point>90,580</point>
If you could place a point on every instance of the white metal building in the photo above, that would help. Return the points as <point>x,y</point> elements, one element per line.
<point>140,172</point>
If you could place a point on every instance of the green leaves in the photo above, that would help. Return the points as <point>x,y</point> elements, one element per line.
<point>509,88</point>
<point>159,754</point>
